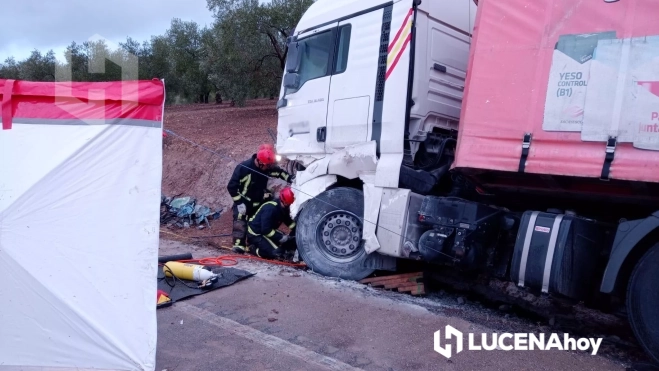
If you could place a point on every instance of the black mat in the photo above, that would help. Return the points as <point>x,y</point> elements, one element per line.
<point>177,290</point>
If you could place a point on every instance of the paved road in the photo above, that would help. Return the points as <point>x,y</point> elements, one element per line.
<point>282,319</point>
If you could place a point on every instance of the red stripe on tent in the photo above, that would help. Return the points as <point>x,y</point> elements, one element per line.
<point>85,100</point>
<point>6,105</point>
<point>400,30</point>
<point>71,108</point>
<point>400,53</point>
<point>141,91</point>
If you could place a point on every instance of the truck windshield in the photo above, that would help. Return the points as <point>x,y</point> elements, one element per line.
<point>315,57</point>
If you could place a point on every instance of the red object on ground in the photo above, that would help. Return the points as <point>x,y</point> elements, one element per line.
<point>229,260</point>
<point>540,67</point>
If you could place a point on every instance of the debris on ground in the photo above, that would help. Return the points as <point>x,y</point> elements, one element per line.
<point>184,212</point>
<point>234,133</point>
<point>406,282</point>
<point>172,289</point>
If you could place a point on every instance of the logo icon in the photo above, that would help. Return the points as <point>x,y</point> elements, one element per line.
<point>101,50</point>
<point>510,341</point>
<point>446,350</point>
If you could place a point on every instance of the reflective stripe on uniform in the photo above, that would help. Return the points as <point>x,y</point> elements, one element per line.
<point>292,225</point>
<point>246,179</point>
<point>236,198</point>
<point>285,176</point>
<point>257,211</point>
<point>274,245</point>
<point>272,233</point>
<point>249,229</point>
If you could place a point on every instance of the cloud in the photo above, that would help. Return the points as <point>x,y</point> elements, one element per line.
<point>44,25</point>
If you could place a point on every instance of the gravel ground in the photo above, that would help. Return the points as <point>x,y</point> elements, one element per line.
<point>233,133</point>
<point>284,318</point>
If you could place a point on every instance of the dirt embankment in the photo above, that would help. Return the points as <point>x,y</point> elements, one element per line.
<point>188,170</point>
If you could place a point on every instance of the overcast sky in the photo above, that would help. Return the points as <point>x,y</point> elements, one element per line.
<point>44,25</point>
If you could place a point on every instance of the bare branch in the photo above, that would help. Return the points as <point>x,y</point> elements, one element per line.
<point>260,62</point>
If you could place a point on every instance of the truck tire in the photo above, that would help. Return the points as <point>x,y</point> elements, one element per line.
<point>643,302</point>
<point>329,234</point>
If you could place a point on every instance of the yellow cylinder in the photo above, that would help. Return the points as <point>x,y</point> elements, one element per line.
<point>186,271</point>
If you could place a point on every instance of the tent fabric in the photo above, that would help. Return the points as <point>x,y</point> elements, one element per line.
<point>572,74</point>
<point>79,222</point>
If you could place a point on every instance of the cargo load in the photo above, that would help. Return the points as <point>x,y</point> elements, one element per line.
<point>564,88</point>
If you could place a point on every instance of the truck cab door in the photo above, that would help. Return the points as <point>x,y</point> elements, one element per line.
<point>302,108</point>
<point>355,65</point>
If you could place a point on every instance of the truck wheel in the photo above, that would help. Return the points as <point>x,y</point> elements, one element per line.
<point>643,302</point>
<point>329,234</point>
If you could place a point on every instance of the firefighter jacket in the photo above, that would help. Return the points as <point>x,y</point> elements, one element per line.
<point>268,218</point>
<point>248,183</point>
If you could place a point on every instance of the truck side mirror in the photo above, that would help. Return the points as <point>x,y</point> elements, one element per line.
<point>294,56</point>
<point>291,80</point>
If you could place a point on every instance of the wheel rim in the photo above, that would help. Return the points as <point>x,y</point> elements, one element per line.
<point>340,235</point>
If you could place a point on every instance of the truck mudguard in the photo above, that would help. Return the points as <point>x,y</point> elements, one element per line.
<point>628,236</point>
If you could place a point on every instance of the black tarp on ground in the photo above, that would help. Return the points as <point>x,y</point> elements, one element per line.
<point>176,290</point>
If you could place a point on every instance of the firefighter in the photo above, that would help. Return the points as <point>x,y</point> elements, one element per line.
<point>265,240</point>
<point>248,189</point>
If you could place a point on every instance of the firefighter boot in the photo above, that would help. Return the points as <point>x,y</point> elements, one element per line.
<point>239,232</point>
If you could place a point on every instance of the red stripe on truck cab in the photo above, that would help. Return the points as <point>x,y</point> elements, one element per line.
<point>400,30</point>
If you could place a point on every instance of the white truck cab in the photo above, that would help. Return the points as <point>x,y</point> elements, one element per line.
<point>369,111</point>
<point>370,101</point>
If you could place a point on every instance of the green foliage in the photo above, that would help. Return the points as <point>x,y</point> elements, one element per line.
<point>247,47</point>
<point>242,55</point>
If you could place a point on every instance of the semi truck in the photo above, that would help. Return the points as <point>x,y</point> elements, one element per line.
<point>514,140</point>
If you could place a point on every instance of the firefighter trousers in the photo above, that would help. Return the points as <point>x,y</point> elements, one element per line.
<point>267,248</point>
<point>239,232</point>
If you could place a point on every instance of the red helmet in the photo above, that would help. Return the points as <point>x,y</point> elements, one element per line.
<point>267,146</point>
<point>265,156</point>
<point>286,196</point>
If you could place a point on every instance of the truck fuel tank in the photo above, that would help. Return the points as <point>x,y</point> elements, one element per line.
<point>560,254</point>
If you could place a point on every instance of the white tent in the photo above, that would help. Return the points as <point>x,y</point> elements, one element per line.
<point>80,178</point>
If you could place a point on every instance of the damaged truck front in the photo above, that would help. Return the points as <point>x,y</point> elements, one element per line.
<point>549,185</point>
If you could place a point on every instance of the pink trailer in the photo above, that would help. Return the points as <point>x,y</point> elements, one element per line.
<point>563,88</point>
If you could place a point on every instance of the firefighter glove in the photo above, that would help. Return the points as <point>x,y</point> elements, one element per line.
<point>242,209</point>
